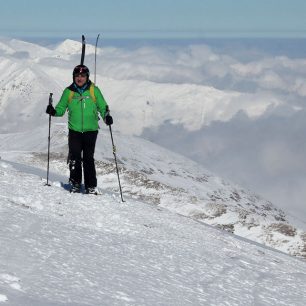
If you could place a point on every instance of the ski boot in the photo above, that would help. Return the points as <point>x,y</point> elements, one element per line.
<point>75,188</point>
<point>92,190</point>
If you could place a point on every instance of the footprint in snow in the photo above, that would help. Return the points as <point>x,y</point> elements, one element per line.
<point>10,280</point>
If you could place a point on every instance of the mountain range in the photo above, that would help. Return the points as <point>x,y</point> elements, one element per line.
<point>182,236</point>
<point>149,173</point>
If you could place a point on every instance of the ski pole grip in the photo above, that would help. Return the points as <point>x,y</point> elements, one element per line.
<point>50,98</point>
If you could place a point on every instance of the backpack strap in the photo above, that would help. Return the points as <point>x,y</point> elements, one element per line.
<point>91,91</point>
<point>71,94</point>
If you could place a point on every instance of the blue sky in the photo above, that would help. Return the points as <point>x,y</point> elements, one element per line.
<point>154,18</point>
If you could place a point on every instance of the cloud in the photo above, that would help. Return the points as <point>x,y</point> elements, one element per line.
<point>205,65</point>
<point>252,130</point>
<point>266,154</point>
<point>21,55</point>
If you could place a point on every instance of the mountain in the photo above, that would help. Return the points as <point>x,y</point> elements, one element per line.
<point>157,176</point>
<point>71,47</point>
<point>149,172</point>
<point>183,236</point>
<point>59,248</point>
<point>16,48</point>
<point>31,72</point>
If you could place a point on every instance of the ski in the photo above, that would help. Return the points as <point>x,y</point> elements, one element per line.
<point>83,49</point>
<point>82,63</point>
<point>96,57</point>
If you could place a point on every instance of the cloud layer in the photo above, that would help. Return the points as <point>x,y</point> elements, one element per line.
<point>262,146</point>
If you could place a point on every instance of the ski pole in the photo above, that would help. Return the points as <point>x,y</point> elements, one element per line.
<point>114,152</point>
<point>50,103</point>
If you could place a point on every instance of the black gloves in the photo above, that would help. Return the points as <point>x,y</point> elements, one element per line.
<point>108,119</point>
<point>50,110</point>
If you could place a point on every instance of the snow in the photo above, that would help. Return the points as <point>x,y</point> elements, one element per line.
<point>203,101</point>
<point>148,102</point>
<point>157,176</point>
<point>70,47</point>
<point>164,245</point>
<point>75,249</point>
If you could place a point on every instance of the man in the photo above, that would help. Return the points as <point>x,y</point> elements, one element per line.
<point>84,102</point>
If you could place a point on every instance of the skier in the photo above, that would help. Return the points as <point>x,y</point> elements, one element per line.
<point>84,101</point>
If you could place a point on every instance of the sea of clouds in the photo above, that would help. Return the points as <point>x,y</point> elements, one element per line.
<point>263,148</point>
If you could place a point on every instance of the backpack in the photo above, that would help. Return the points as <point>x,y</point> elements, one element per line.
<point>91,91</point>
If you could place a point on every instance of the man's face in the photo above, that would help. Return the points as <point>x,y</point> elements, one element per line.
<point>80,79</point>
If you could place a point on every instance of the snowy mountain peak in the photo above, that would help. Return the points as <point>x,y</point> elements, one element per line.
<point>70,47</point>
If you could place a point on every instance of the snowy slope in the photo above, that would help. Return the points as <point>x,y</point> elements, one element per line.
<point>163,246</point>
<point>21,49</point>
<point>152,174</point>
<point>73,249</point>
<point>149,173</point>
<point>70,47</point>
<point>31,72</point>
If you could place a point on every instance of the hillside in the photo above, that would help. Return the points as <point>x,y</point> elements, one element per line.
<point>242,116</point>
<point>74,249</point>
<point>162,178</point>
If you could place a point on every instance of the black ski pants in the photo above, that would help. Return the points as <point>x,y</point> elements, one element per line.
<point>81,150</point>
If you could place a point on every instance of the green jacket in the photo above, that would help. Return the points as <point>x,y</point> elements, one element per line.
<point>82,109</point>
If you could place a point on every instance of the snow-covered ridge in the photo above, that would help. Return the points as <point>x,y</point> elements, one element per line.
<point>19,49</point>
<point>164,245</point>
<point>131,97</point>
<point>152,174</point>
<point>136,104</point>
<point>70,47</point>
<point>95,250</point>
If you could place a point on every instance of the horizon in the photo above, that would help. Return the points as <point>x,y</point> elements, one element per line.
<point>290,46</point>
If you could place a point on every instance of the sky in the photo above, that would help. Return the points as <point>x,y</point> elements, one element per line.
<point>159,18</point>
